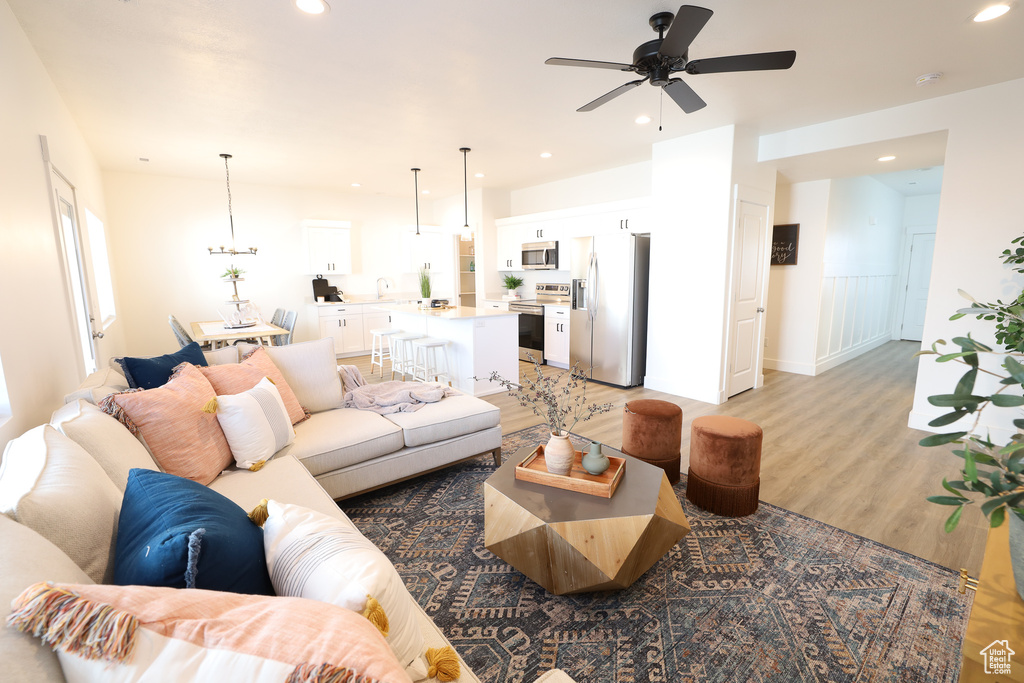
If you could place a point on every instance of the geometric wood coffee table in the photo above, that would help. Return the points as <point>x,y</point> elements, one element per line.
<point>572,542</point>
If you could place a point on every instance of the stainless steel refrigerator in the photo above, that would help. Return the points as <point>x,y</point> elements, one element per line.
<point>608,318</point>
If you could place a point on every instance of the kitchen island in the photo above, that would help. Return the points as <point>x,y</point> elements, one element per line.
<point>483,341</point>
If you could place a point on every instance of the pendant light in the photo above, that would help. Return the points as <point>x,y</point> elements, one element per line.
<point>416,190</point>
<point>232,251</point>
<point>467,234</point>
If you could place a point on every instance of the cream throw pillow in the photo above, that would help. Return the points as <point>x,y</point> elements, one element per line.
<point>52,485</point>
<point>311,555</point>
<point>310,369</point>
<point>255,423</point>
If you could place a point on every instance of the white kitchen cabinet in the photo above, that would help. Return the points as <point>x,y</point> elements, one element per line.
<point>434,251</point>
<point>628,220</point>
<point>510,248</point>
<point>347,331</point>
<point>556,336</point>
<point>330,250</point>
<point>495,305</point>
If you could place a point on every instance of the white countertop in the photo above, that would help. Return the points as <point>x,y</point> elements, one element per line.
<point>456,313</point>
<point>354,301</point>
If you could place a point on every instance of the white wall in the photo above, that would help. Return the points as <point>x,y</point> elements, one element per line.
<point>692,191</point>
<point>978,210</point>
<point>860,271</point>
<point>37,346</point>
<point>161,227</point>
<point>624,182</point>
<point>921,211</point>
<point>793,291</point>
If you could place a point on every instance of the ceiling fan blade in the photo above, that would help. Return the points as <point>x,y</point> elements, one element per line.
<point>688,22</point>
<point>762,61</point>
<point>684,96</point>
<point>607,97</point>
<point>558,61</point>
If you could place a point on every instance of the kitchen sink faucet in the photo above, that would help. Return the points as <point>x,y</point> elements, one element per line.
<point>380,280</point>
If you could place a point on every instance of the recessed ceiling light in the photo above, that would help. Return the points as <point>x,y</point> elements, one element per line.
<point>313,6</point>
<point>478,175</point>
<point>356,185</point>
<point>992,12</point>
<point>642,119</point>
<point>545,155</point>
<point>888,157</point>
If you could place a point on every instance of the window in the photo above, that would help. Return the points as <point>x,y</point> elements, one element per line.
<point>100,269</point>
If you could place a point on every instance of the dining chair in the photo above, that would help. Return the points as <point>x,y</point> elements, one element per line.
<point>278,317</point>
<point>180,334</point>
<point>288,323</point>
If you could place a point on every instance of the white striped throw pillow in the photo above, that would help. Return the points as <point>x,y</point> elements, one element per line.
<point>255,423</point>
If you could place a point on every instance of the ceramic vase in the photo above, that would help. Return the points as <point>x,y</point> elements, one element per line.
<point>594,460</point>
<point>559,454</point>
<point>1017,549</point>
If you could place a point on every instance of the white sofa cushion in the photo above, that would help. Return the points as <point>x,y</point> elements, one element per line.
<point>311,370</point>
<point>104,438</point>
<point>450,417</point>
<point>255,423</point>
<point>283,478</point>
<point>342,437</point>
<point>52,485</point>
<point>222,356</point>
<point>98,385</point>
<point>28,559</point>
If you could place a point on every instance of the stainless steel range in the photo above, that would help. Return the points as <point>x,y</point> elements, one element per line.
<point>531,317</point>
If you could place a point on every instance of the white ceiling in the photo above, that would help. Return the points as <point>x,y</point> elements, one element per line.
<point>366,92</point>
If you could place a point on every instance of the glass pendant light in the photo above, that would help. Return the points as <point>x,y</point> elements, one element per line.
<point>467,234</point>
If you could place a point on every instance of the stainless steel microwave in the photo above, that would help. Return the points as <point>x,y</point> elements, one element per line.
<point>540,256</point>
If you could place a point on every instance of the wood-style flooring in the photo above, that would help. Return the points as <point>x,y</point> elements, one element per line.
<point>836,449</point>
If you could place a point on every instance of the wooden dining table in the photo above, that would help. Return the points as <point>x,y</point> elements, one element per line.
<point>219,335</point>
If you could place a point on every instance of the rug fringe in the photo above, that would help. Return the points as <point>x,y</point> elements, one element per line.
<point>69,623</point>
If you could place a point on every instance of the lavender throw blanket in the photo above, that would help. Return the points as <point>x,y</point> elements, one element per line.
<point>395,397</point>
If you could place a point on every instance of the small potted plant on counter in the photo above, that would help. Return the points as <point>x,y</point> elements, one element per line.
<point>512,283</point>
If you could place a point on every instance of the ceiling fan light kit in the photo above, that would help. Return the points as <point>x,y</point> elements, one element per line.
<point>658,61</point>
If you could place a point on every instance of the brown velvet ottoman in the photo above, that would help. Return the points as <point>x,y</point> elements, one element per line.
<point>725,465</point>
<point>652,431</point>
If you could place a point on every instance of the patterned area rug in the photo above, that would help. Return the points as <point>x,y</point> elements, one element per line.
<point>773,597</point>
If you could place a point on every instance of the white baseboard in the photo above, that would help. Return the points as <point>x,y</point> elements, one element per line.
<point>999,434</point>
<point>789,366</point>
<point>668,387</point>
<point>849,354</point>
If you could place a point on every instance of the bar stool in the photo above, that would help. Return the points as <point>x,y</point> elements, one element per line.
<point>428,355</point>
<point>378,354</point>
<point>402,353</point>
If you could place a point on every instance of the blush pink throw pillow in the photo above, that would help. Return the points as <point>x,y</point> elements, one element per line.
<point>184,440</point>
<point>230,379</point>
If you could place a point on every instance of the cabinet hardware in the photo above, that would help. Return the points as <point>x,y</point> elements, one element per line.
<point>627,224</point>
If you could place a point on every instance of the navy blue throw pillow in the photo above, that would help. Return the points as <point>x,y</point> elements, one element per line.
<point>149,373</point>
<point>176,533</point>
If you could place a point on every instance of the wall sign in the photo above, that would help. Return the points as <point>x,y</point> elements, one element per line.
<point>785,239</point>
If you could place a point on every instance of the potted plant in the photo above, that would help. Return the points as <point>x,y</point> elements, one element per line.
<point>558,404</point>
<point>424,277</point>
<point>993,470</point>
<point>233,273</point>
<point>512,283</point>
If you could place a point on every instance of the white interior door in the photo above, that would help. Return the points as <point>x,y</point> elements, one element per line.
<point>746,326</point>
<point>921,249</point>
<point>69,234</point>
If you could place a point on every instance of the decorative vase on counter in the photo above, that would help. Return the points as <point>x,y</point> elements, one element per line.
<point>559,454</point>
<point>511,292</point>
<point>594,460</point>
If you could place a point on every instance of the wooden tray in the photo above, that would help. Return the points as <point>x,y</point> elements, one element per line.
<point>534,469</point>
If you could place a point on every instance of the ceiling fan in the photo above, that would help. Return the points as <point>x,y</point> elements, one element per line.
<point>657,60</point>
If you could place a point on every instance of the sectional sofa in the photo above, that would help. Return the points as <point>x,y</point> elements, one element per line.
<point>61,484</point>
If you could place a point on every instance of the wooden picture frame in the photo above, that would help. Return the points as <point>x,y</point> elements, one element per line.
<point>785,243</point>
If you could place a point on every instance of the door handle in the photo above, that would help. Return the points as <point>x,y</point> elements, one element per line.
<point>97,335</point>
<point>760,310</point>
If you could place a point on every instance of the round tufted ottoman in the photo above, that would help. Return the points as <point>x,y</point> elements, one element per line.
<point>652,431</point>
<point>725,465</point>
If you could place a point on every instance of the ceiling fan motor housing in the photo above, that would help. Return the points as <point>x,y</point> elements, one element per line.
<point>647,61</point>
